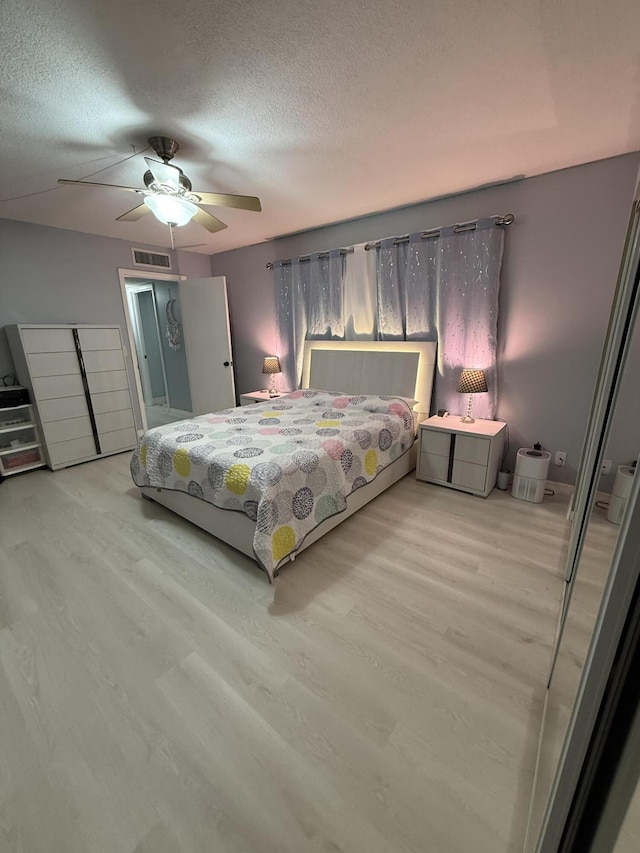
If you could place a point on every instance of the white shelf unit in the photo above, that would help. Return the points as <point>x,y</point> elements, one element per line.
<point>17,423</point>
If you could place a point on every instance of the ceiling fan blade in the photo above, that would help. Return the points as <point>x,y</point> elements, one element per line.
<point>168,177</point>
<point>92,184</point>
<point>209,222</point>
<point>134,214</point>
<point>244,202</point>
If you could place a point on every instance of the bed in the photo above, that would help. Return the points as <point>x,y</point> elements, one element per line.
<point>363,436</point>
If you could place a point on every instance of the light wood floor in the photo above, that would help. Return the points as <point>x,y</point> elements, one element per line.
<point>161,415</point>
<point>158,696</point>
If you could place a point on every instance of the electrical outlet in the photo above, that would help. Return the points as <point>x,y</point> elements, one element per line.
<point>606,467</point>
<point>561,458</point>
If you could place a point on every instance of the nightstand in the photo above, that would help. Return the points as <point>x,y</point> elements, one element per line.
<point>259,397</point>
<point>461,456</point>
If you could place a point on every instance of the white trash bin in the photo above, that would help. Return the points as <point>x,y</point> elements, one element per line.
<point>620,493</point>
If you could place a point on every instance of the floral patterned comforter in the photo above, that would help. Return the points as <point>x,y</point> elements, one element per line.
<point>287,464</point>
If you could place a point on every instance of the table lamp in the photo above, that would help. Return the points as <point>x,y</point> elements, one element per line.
<point>471,381</point>
<point>271,366</point>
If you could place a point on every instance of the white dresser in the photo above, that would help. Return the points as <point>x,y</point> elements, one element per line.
<point>77,379</point>
<point>460,455</point>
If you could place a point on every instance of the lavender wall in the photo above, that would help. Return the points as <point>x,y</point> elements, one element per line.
<point>560,267</point>
<point>51,275</point>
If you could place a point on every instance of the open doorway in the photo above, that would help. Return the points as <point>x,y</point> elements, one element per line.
<point>194,372</point>
<point>155,322</point>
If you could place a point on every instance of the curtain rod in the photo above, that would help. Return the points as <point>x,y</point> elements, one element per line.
<point>432,233</point>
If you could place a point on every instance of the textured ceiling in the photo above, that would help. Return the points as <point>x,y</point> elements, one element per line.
<point>326,110</point>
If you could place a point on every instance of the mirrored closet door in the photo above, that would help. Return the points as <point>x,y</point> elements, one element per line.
<point>601,566</point>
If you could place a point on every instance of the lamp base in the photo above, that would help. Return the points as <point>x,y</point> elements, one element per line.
<point>467,419</point>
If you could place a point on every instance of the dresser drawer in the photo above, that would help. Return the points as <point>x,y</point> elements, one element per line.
<point>99,339</point>
<point>53,364</point>
<point>109,380</point>
<point>121,439</point>
<point>75,450</point>
<point>48,340</point>
<point>54,387</point>
<point>67,429</point>
<point>60,410</point>
<point>111,421</point>
<point>97,361</point>
<point>110,401</point>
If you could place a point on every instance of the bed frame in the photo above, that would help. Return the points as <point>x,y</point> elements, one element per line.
<point>364,367</point>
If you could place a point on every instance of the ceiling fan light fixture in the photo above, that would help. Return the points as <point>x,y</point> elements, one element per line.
<point>170,209</point>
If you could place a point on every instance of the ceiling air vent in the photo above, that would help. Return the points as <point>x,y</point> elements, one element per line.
<point>143,258</point>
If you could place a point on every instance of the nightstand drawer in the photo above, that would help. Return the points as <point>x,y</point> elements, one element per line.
<point>469,448</point>
<point>433,466</point>
<point>466,475</point>
<point>436,441</point>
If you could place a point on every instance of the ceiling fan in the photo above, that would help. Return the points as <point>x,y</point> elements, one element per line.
<point>169,196</point>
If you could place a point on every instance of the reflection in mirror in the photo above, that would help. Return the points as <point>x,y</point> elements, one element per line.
<point>154,317</point>
<point>584,597</point>
<point>582,610</point>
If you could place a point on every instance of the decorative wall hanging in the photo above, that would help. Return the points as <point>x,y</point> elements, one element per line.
<point>174,330</point>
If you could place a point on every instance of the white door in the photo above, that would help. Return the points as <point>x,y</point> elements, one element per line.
<point>207,339</point>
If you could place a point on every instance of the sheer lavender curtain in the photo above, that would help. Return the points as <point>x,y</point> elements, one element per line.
<point>469,265</point>
<point>360,302</point>
<point>289,318</point>
<point>309,296</point>
<point>390,275</point>
<point>445,288</point>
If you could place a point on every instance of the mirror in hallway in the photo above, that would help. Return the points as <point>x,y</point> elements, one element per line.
<point>154,310</point>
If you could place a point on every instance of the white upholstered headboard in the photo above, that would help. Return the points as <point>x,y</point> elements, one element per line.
<point>405,368</point>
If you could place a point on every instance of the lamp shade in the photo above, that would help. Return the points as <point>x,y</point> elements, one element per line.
<point>472,381</point>
<point>170,209</point>
<point>271,364</point>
